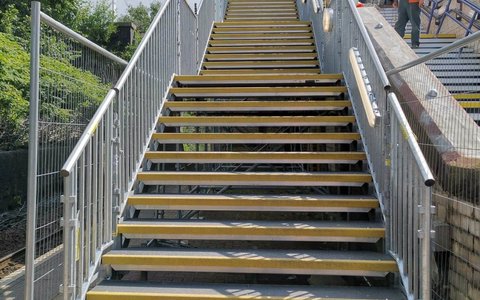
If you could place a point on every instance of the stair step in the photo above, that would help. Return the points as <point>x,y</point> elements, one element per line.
<point>259,91</point>
<point>255,121</point>
<point>131,290</point>
<point>260,49</point>
<point>259,79</point>
<point>312,63</point>
<point>261,6</point>
<point>266,13</point>
<point>262,30</point>
<point>309,231</point>
<point>238,106</point>
<point>271,203</point>
<point>261,71</point>
<point>264,42</point>
<point>470,104</point>
<point>261,10</point>
<point>255,57</point>
<point>467,96</point>
<point>347,263</point>
<point>352,179</point>
<point>260,36</point>
<point>255,18</point>
<point>256,157</point>
<point>257,138</point>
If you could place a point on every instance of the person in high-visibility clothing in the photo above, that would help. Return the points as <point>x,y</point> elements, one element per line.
<point>409,10</point>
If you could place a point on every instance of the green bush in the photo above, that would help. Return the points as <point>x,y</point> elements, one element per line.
<point>81,92</point>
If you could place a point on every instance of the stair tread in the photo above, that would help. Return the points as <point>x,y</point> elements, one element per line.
<point>250,254</point>
<point>235,64</point>
<point>260,71</point>
<point>258,138</point>
<point>264,49</point>
<point>324,231</point>
<point>131,290</point>
<point>262,36</point>
<point>258,91</point>
<point>260,57</point>
<point>256,121</point>
<point>356,179</point>
<point>256,105</point>
<point>269,157</point>
<point>312,198</point>
<point>309,203</point>
<point>253,223</point>
<point>260,78</point>
<point>352,263</point>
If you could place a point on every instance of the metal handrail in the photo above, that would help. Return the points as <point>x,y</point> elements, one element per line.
<point>371,48</point>
<point>82,40</point>
<point>372,114</point>
<point>427,175</point>
<point>92,126</point>
<point>457,44</point>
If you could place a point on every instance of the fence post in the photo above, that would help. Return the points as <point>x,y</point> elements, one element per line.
<point>32,151</point>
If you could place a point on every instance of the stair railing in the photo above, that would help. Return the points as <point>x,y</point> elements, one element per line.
<point>101,170</point>
<point>401,177</point>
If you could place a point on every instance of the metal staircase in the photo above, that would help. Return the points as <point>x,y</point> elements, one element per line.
<point>254,185</point>
<point>457,71</point>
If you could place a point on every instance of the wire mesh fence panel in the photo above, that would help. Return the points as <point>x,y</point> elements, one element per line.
<point>73,79</point>
<point>205,23</point>
<point>188,43</point>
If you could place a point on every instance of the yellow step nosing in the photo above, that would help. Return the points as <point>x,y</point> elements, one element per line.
<point>220,72</point>
<point>470,104</point>
<point>112,295</point>
<point>311,55</point>
<point>260,64</point>
<point>249,201</point>
<point>254,177</point>
<point>470,96</point>
<point>255,262</point>
<point>262,49</point>
<point>339,103</point>
<point>255,120</point>
<point>256,136</point>
<point>338,76</point>
<point>433,36</point>
<point>234,90</point>
<point>262,42</point>
<point>201,229</point>
<point>264,155</point>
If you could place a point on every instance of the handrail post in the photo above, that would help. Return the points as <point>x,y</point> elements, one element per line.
<point>33,151</point>
<point>426,245</point>
<point>69,236</point>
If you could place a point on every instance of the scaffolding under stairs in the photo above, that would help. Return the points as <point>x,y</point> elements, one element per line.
<point>255,185</point>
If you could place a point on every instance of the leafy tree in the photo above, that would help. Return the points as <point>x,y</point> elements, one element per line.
<point>142,16</point>
<point>97,22</point>
<point>64,11</point>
